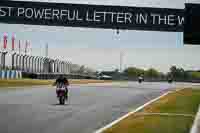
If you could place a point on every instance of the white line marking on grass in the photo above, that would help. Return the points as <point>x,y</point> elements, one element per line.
<point>165,114</point>
<point>196,124</point>
<point>132,112</point>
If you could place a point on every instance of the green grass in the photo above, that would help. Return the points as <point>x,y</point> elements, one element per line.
<point>153,124</point>
<point>185,102</point>
<point>182,102</point>
<point>32,82</point>
<point>24,82</point>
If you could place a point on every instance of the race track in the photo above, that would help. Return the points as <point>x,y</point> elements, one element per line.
<point>90,107</point>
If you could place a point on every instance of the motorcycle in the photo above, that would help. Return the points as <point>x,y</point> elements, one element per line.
<point>170,81</point>
<point>140,79</point>
<point>61,95</point>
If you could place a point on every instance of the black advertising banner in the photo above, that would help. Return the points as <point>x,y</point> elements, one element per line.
<point>91,16</point>
<point>192,24</point>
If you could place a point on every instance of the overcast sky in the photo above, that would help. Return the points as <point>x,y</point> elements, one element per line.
<point>100,49</point>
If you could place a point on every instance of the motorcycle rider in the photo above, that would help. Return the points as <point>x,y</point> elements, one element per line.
<point>66,83</point>
<point>140,78</point>
<point>61,80</point>
<point>170,79</point>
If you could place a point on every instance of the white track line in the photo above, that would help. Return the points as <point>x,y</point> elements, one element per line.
<point>130,113</point>
<point>165,114</point>
<point>196,124</point>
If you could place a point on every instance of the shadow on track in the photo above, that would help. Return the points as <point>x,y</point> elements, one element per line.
<point>57,104</point>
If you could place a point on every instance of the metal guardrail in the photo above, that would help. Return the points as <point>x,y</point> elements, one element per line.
<point>55,75</point>
<point>10,74</point>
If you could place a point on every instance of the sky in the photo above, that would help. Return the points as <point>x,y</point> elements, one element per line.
<point>100,48</point>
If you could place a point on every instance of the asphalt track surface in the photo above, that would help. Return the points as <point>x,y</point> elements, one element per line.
<point>90,107</point>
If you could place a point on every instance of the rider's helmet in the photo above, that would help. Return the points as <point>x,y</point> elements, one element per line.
<point>140,77</point>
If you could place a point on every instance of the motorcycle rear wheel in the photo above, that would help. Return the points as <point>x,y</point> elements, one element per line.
<point>62,100</point>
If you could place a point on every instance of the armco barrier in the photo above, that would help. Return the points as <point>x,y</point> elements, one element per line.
<point>14,74</point>
<point>10,74</point>
<point>2,75</point>
<point>54,76</point>
<point>19,74</point>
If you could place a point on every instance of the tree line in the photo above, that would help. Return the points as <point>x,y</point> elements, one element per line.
<point>175,73</point>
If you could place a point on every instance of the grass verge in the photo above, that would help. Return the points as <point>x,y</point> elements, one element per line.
<point>185,101</point>
<point>31,82</point>
<point>24,82</point>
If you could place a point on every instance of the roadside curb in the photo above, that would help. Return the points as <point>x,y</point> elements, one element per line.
<point>136,110</point>
<point>196,125</point>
